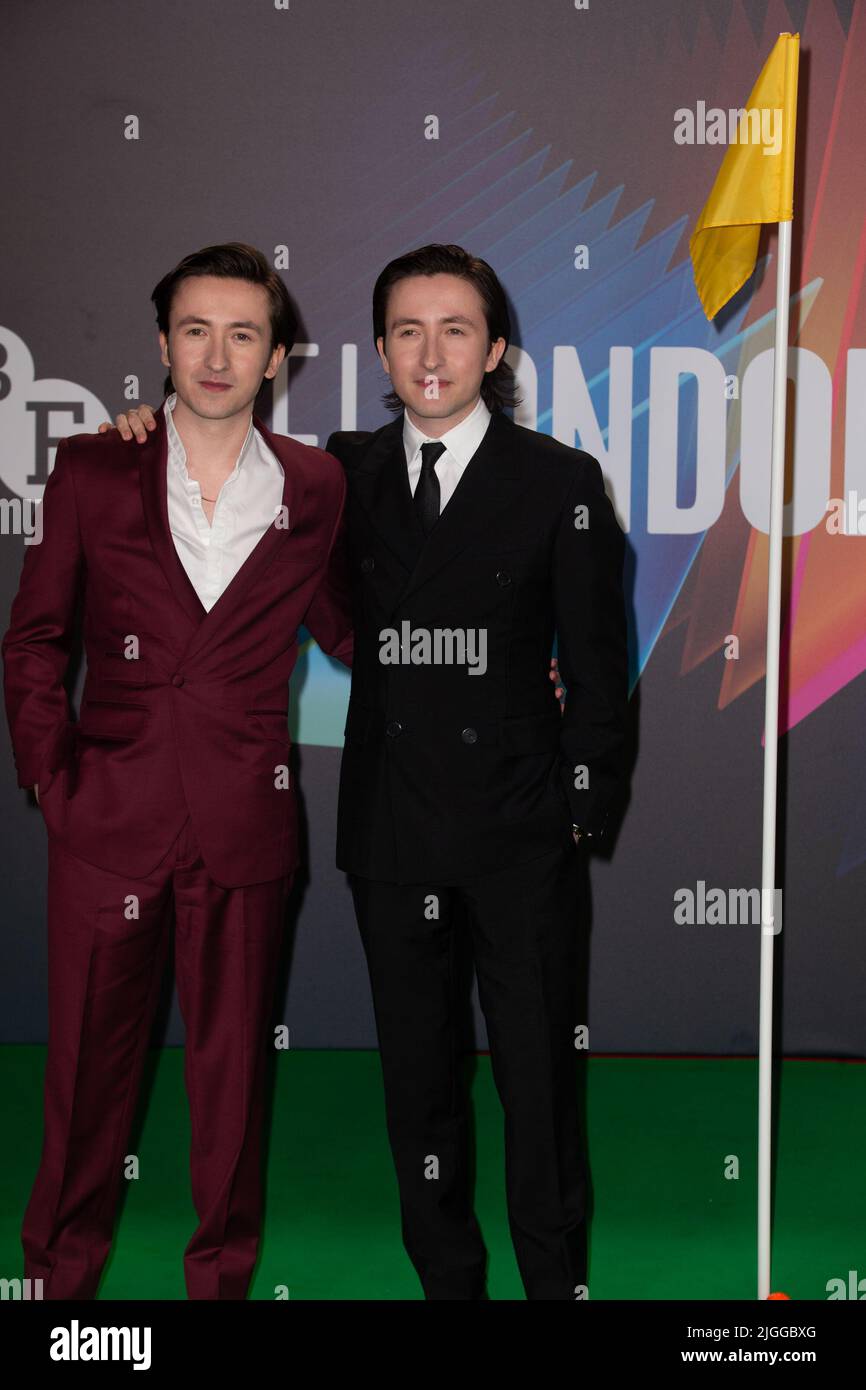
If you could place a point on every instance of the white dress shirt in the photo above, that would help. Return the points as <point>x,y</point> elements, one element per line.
<point>247,503</point>
<point>460,443</point>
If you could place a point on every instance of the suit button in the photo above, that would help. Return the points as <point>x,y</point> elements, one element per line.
<point>503,579</point>
<point>394,728</point>
<point>177,680</point>
<point>469,736</point>
<point>367,564</point>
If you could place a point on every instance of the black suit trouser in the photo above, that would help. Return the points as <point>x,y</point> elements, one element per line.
<point>524,926</point>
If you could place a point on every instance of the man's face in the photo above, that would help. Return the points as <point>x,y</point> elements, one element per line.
<point>218,344</point>
<point>436,348</point>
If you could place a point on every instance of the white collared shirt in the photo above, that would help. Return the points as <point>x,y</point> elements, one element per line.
<point>247,503</point>
<point>461,442</point>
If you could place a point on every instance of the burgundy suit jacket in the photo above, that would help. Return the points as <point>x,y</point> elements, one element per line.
<point>198,724</point>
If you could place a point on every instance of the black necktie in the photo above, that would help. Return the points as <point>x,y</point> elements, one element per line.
<point>427,488</point>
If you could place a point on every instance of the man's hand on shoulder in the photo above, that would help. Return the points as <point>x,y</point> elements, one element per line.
<point>559,690</point>
<point>135,422</point>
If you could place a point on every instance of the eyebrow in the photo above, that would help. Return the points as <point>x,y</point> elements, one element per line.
<point>238,323</point>
<point>448,318</point>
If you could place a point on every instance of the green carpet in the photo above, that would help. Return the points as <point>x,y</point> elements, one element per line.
<point>667,1223</point>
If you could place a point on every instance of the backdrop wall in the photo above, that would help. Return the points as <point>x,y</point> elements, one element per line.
<point>548,137</point>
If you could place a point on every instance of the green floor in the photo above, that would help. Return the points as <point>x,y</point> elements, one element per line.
<point>667,1223</point>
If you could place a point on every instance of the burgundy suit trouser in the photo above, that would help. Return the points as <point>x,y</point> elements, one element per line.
<point>108,937</point>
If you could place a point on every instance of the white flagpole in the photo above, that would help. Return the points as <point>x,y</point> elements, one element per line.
<point>771,737</point>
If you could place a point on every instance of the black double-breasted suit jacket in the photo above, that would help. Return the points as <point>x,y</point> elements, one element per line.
<point>453,768</point>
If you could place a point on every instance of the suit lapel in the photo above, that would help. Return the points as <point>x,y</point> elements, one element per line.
<point>238,590</point>
<point>154,486</point>
<point>382,485</point>
<point>152,462</point>
<point>491,482</point>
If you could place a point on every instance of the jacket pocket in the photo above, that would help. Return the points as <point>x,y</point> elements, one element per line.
<point>114,666</point>
<point>107,719</point>
<point>307,552</point>
<point>273,723</point>
<point>531,733</point>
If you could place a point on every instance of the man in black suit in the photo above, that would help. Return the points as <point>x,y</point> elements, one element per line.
<point>472,541</point>
<point>463,790</point>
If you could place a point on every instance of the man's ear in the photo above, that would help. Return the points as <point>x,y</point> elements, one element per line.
<point>380,348</point>
<point>275,360</point>
<point>494,356</point>
<point>163,350</point>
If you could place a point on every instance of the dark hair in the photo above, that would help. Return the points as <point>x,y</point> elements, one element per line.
<point>499,388</point>
<point>233,260</point>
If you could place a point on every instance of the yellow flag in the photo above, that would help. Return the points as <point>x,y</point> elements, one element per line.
<point>755,183</point>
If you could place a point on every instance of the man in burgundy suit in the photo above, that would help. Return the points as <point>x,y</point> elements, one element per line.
<point>194,560</point>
